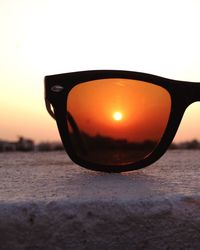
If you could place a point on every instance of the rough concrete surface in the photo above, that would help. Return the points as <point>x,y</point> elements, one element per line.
<point>47,202</point>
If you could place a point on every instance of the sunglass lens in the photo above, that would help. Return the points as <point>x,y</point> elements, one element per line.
<point>116,121</point>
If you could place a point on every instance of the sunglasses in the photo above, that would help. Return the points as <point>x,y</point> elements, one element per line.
<point>115,121</point>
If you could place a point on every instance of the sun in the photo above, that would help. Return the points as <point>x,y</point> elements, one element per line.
<point>117,116</point>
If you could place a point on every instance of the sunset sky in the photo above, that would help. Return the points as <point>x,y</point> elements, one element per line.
<point>129,109</point>
<point>42,37</point>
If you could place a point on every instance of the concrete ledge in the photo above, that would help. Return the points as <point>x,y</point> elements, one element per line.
<point>101,225</point>
<point>48,204</point>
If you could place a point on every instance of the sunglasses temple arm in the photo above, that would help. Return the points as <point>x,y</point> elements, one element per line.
<point>73,124</point>
<point>49,108</point>
<point>77,133</point>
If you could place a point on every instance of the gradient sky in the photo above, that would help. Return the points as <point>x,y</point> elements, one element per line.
<point>144,108</point>
<point>42,37</point>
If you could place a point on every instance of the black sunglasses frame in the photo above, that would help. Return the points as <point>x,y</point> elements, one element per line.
<point>57,88</point>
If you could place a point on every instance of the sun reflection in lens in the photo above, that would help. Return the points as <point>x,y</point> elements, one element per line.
<point>117,116</point>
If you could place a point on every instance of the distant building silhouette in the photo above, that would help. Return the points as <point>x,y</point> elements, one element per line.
<point>7,146</point>
<point>49,146</point>
<point>25,144</point>
<point>21,145</point>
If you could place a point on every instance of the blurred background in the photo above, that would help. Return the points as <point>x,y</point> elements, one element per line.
<point>43,37</point>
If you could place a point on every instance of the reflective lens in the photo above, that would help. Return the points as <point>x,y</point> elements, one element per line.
<point>116,121</point>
